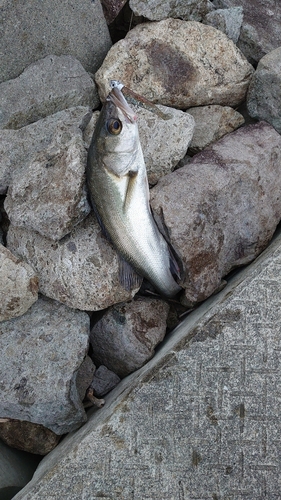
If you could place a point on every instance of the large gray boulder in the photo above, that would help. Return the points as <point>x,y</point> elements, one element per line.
<point>264,94</point>
<point>125,337</point>
<point>222,208</point>
<point>42,352</point>
<point>81,270</point>
<point>260,31</point>
<point>179,64</point>
<point>45,87</point>
<point>18,285</point>
<point>31,31</point>
<point>156,10</point>
<point>45,171</point>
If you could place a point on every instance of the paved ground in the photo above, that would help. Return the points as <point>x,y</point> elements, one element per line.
<point>201,421</point>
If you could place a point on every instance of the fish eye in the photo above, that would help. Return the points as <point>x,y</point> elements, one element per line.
<point>114,126</point>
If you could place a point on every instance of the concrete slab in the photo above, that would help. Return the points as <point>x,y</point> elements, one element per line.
<point>200,421</point>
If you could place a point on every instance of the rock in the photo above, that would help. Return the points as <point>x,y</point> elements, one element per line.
<point>27,436</point>
<point>164,142</point>
<point>212,123</point>
<point>104,380</point>
<point>85,376</point>
<point>229,21</point>
<point>156,10</point>
<point>179,64</point>
<point>260,30</point>
<point>18,285</point>
<point>111,9</point>
<point>47,164</point>
<point>58,27</point>
<point>264,94</point>
<point>16,470</point>
<point>42,352</point>
<point>81,271</point>
<point>211,396</point>
<point>221,209</point>
<point>125,337</point>
<point>44,88</point>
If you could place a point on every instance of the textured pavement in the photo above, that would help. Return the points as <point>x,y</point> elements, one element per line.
<point>201,421</point>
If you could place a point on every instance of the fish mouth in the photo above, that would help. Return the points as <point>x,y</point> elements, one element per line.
<point>117,98</point>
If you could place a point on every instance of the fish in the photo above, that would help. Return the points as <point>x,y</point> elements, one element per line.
<point>119,191</point>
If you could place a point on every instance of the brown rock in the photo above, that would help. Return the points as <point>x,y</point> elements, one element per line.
<point>127,334</point>
<point>179,64</point>
<point>222,208</point>
<point>27,436</point>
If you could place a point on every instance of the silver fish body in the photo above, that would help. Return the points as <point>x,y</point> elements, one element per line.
<point>117,181</point>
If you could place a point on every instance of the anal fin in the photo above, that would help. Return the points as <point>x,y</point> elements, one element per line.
<point>128,277</point>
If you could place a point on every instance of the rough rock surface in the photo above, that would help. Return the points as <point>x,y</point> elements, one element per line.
<point>156,10</point>
<point>45,87</point>
<point>18,285</point>
<point>264,94</point>
<point>164,142</point>
<point>125,337</point>
<point>47,164</point>
<point>221,209</point>
<point>62,27</point>
<point>229,21</point>
<point>260,30</point>
<point>81,270</point>
<point>200,420</point>
<point>103,381</point>
<point>27,436</point>
<point>212,123</point>
<point>179,64</point>
<point>43,351</point>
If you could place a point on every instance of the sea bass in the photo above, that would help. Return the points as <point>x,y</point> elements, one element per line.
<point>118,185</point>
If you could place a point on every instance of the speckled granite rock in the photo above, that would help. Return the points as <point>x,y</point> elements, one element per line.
<point>42,352</point>
<point>45,171</point>
<point>62,27</point>
<point>81,270</point>
<point>18,285</point>
<point>179,64</point>
<point>44,88</point>
<point>156,10</point>
<point>229,21</point>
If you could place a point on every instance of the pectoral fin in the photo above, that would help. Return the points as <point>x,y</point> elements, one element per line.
<point>128,277</point>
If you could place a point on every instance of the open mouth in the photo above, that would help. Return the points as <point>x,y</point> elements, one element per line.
<point>119,101</point>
